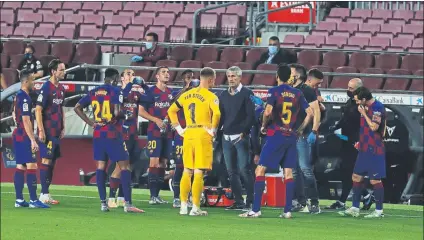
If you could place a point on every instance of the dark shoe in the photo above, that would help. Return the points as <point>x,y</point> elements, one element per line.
<point>314,209</point>
<point>368,201</point>
<point>336,206</point>
<point>236,206</point>
<point>298,208</point>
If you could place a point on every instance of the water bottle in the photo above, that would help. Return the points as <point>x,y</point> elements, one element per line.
<point>82,175</point>
<point>138,80</point>
<point>165,122</point>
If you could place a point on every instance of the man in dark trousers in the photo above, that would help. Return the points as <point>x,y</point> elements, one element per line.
<point>237,118</point>
<point>276,55</point>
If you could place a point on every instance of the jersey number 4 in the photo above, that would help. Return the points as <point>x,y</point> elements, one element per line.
<point>287,113</point>
<point>105,110</point>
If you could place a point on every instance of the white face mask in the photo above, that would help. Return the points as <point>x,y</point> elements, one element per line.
<point>272,49</point>
<point>149,45</point>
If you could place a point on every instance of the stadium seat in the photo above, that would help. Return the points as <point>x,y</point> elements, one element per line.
<point>164,20</point>
<point>98,20</point>
<point>397,83</point>
<point>13,47</point>
<point>114,32</point>
<point>14,5</point>
<point>362,34</point>
<point>246,78</point>
<point>340,12</point>
<point>15,60</point>
<point>115,7</point>
<point>4,60</point>
<point>265,79</point>
<point>369,27</point>
<point>296,39</point>
<point>52,18</point>
<point>361,60</point>
<point>345,34</point>
<point>10,75</point>
<point>154,7</point>
<point>160,31</point>
<point>181,53</point>
<point>123,21</point>
<point>400,22</point>
<point>64,51</point>
<point>378,21</point>
<point>413,62</point>
<point>64,32</point>
<point>418,15</point>
<point>134,34</point>
<point>207,54</point>
<point>52,5</point>
<point>381,42</point>
<point>87,53</point>
<point>45,11</point>
<point>127,13</point>
<point>8,18</point>
<point>173,7</point>
<point>178,34</point>
<point>315,40</point>
<point>356,20</point>
<point>417,84</point>
<point>74,6</point>
<point>403,43</point>
<point>95,6</point>
<point>349,27</point>
<point>240,10</point>
<point>387,61</point>
<point>254,54</point>
<point>361,13</point>
<point>190,64</point>
<point>382,13</point>
<point>335,59</point>
<point>418,43</point>
<point>316,33</point>
<point>6,31</point>
<point>358,41</point>
<point>342,81</point>
<point>185,19</point>
<point>134,6</point>
<point>221,77</point>
<point>41,48</point>
<point>87,32</point>
<point>232,55</point>
<point>64,12</point>
<point>326,26</point>
<point>171,64</point>
<point>192,7</point>
<point>145,74</point>
<point>403,14</point>
<point>144,20</point>
<point>43,32</point>
<point>309,58</point>
<point>230,24</point>
<point>86,12</point>
<point>338,41</point>
<point>327,79</point>
<point>107,15</point>
<point>218,11</point>
<point>372,82</point>
<point>209,22</point>
<point>29,17</point>
<point>73,18</point>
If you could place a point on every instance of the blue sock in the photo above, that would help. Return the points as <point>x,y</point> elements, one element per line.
<point>357,190</point>
<point>153,178</point>
<point>126,185</point>
<point>161,180</point>
<point>50,174</point>
<point>176,181</point>
<point>44,179</point>
<point>290,187</point>
<point>19,183</point>
<point>259,190</point>
<point>101,184</point>
<point>379,195</point>
<point>113,186</point>
<point>120,191</point>
<point>32,183</point>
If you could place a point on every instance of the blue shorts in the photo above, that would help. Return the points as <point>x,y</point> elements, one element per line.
<point>50,149</point>
<point>112,148</point>
<point>371,165</point>
<point>23,152</point>
<point>159,147</point>
<point>133,149</point>
<point>178,150</point>
<point>279,150</point>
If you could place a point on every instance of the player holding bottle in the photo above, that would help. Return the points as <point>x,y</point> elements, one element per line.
<point>106,101</point>
<point>283,105</point>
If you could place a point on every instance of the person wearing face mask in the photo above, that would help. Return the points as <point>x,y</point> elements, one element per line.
<point>276,55</point>
<point>152,53</point>
<point>30,64</point>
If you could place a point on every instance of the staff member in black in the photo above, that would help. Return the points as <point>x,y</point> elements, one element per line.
<point>31,64</point>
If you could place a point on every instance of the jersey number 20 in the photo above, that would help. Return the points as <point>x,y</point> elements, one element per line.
<point>287,113</point>
<point>105,110</point>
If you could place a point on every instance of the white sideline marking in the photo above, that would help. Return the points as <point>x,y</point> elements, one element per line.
<point>88,197</point>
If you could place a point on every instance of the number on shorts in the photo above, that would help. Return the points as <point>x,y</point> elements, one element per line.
<point>50,145</point>
<point>192,109</point>
<point>105,110</point>
<point>151,144</point>
<point>125,147</point>
<point>287,113</point>
<point>179,150</point>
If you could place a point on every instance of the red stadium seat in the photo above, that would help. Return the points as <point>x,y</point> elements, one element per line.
<point>221,78</point>
<point>413,63</point>
<point>87,53</point>
<point>181,53</point>
<point>8,18</point>
<point>43,32</point>
<point>369,27</point>
<point>160,31</point>
<point>382,13</point>
<point>4,60</point>
<point>357,20</point>
<point>112,6</point>
<point>417,84</point>
<point>173,7</point>
<point>178,34</point>
<point>309,58</point>
<point>362,13</point>
<point>190,64</point>
<point>64,51</point>
<point>342,81</point>
<point>339,12</point>
<point>265,79</point>
<point>361,60</point>
<point>207,54</point>
<point>52,5</point>
<point>185,19</point>
<point>387,61</point>
<point>41,48</point>
<point>64,32</point>
<point>107,15</point>
<point>14,5</point>
<point>6,31</point>
<point>15,60</point>
<point>114,32</point>
<point>370,82</point>
<point>123,21</point>
<point>218,11</point>
<point>23,31</point>
<point>90,32</point>
<point>144,20</point>
<point>74,6</point>
<point>145,74</point>
<point>317,41</point>
<point>154,7</point>
<point>230,24</point>
<point>253,55</point>
<point>95,6</point>
<point>134,6</point>
<point>335,59</point>
<point>13,47</point>
<point>296,39</point>
<point>339,41</point>
<point>326,26</point>
<point>349,27</point>
<point>403,14</point>
<point>98,20</point>
<point>134,34</point>
<point>397,83</point>
<point>164,20</point>
<point>380,42</point>
<point>192,7</point>
<point>10,75</point>
<point>127,13</point>
<point>232,55</point>
<point>74,18</point>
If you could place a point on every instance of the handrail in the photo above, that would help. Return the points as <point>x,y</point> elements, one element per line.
<point>196,13</point>
<point>283,8</point>
<point>137,43</point>
<point>15,87</point>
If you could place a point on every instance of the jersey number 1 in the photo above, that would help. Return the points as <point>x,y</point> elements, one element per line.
<point>105,114</point>
<point>192,109</point>
<point>287,113</point>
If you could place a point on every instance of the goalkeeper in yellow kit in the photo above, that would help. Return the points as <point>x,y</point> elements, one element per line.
<point>202,115</point>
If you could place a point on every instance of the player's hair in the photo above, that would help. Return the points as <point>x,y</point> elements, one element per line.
<point>207,72</point>
<point>300,69</point>
<point>53,65</point>
<point>236,70</point>
<point>274,38</point>
<point>315,73</point>
<point>31,47</point>
<point>186,71</point>
<point>24,75</point>
<point>283,72</point>
<point>363,92</point>
<point>154,35</point>
<point>160,68</point>
<point>110,75</point>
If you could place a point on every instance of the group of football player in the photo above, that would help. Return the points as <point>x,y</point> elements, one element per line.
<point>186,124</point>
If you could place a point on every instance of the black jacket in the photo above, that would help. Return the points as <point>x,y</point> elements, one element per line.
<point>282,56</point>
<point>350,121</point>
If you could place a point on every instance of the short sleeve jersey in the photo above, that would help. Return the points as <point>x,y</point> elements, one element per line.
<point>287,102</point>
<point>161,100</point>
<point>51,99</point>
<point>370,141</point>
<point>102,99</point>
<point>22,107</point>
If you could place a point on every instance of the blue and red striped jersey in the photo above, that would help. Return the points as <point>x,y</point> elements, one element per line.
<point>134,95</point>
<point>51,99</point>
<point>22,107</point>
<point>287,102</point>
<point>370,141</point>
<point>159,108</point>
<point>102,100</point>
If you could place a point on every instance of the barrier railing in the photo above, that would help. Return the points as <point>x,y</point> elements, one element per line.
<point>392,5</point>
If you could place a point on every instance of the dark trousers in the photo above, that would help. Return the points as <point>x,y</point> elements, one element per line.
<point>349,154</point>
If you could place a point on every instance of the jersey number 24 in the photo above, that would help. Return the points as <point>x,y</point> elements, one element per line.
<point>105,110</point>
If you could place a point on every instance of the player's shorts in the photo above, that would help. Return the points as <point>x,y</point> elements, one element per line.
<point>159,147</point>
<point>178,149</point>
<point>113,148</point>
<point>50,149</point>
<point>133,149</point>
<point>279,150</point>
<point>198,153</point>
<point>23,152</point>
<point>371,165</point>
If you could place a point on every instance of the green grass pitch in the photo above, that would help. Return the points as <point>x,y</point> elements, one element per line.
<point>78,217</point>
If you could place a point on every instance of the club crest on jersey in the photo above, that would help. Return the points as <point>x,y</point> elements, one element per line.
<point>216,101</point>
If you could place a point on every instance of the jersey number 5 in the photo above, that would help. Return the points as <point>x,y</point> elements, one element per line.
<point>192,109</point>
<point>105,108</point>
<point>287,113</point>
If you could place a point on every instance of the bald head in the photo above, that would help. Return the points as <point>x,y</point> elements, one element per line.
<point>354,84</point>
